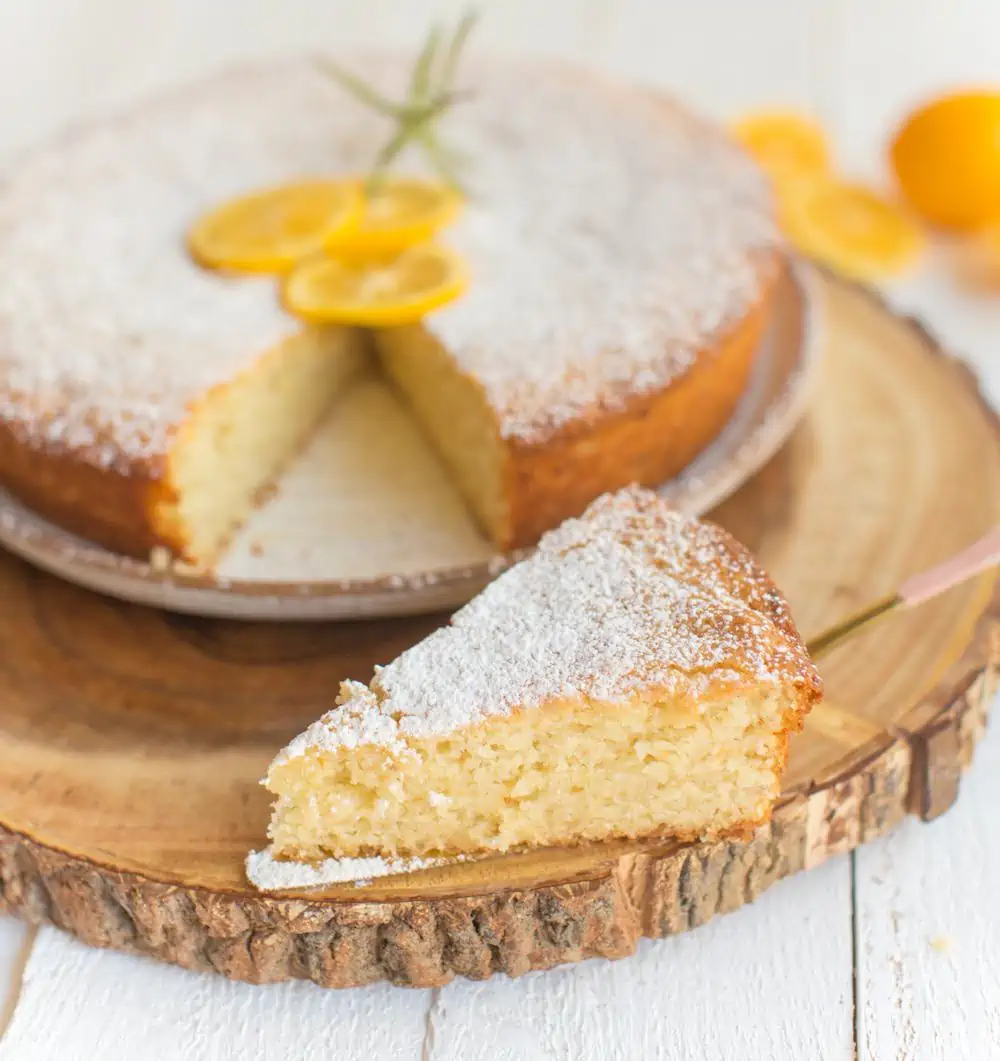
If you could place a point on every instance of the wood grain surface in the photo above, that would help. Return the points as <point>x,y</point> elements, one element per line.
<point>131,741</point>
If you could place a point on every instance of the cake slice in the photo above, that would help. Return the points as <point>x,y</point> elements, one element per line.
<point>638,676</point>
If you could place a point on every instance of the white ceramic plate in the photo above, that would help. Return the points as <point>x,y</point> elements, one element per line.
<point>367,524</point>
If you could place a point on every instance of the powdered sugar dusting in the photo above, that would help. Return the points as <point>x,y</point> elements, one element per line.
<point>634,595</point>
<point>610,237</point>
<point>272,875</point>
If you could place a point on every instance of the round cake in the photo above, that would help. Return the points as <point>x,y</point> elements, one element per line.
<point>622,252</point>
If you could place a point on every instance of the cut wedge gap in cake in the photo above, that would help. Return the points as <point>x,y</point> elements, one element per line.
<point>244,433</point>
<point>454,412</point>
<point>637,677</point>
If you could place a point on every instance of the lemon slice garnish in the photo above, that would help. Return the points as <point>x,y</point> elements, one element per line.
<point>851,229</point>
<point>786,145</point>
<point>375,294</point>
<point>399,212</point>
<point>270,230</point>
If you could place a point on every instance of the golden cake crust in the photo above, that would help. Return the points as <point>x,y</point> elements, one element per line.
<point>654,438</point>
<point>115,508</point>
<point>612,320</point>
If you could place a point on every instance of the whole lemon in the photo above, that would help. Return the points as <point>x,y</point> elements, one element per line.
<point>946,157</point>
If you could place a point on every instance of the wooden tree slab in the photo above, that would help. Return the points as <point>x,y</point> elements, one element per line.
<point>131,741</point>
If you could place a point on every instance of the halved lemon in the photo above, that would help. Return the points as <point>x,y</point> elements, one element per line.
<point>787,145</point>
<point>375,294</point>
<point>852,229</point>
<point>270,230</point>
<point>399,212</point>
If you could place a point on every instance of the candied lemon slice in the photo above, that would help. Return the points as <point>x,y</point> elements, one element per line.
<point>787,145</point>
<point>376,293</point>
<point>270,230</point>
<point>851,229</point>
<point>399,212</point>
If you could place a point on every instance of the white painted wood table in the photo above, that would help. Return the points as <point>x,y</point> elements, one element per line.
<point>892,954</point>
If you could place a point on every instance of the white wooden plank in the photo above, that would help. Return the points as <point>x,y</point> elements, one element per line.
<point>65,59</point>
<point>771,982</point>
<point>928,930</point>
<point>860,61</point>
<point>78,1004</point>
<point>13,942</point>
<point>724,57</point>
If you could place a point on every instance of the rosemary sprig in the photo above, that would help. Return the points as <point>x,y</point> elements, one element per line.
<point>421,78</point>
<point>454,52</point>
<point>430,95</point>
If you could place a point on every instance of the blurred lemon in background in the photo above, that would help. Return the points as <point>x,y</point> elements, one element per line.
<point>946,157</point>
<point>786,145</point>
<point>852,229</point>
<point>843,224</point>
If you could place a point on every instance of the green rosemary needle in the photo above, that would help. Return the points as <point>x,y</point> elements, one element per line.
<point>430,95</point>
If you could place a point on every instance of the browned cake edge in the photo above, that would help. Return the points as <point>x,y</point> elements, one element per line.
<point>649,441</point>
<point>107,505</point>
